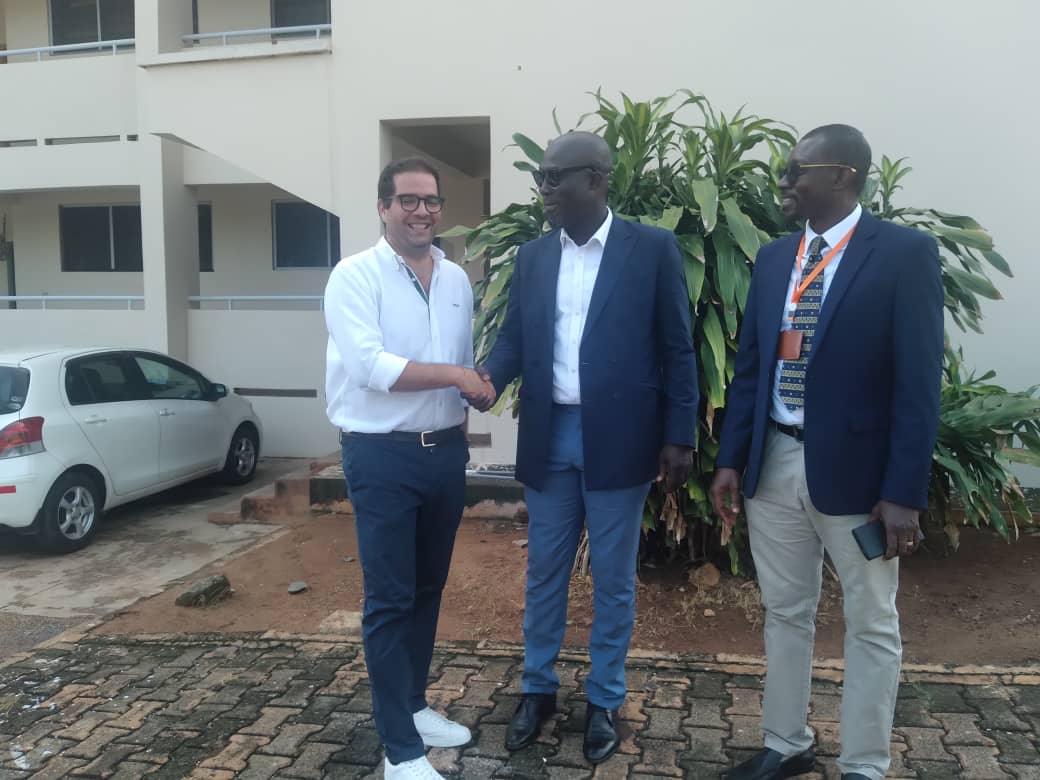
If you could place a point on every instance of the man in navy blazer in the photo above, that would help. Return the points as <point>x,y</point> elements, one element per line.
<point>598,326</point>
<point>832,417</point>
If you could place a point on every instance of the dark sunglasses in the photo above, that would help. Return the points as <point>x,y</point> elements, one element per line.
<point>793,170</point>
<point>434,203</point>
<point>554,176</point>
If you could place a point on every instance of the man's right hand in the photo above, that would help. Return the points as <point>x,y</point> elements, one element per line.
<point>475,386</point>
<point>725,494</point>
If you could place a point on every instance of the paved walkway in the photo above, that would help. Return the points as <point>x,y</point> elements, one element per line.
<point>216,707</point>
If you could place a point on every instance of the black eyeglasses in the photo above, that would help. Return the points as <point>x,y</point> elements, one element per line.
<point>794,169</point>
<point>554,176</point>
<point>434,203</point>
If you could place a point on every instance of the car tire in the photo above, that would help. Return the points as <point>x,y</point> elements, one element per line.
<point>242,457</point>
<point>71,513</point>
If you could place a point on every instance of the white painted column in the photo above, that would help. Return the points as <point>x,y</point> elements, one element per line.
<point>170,235</point>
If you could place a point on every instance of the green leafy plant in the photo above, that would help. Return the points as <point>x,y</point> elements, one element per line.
<point>712,180</point>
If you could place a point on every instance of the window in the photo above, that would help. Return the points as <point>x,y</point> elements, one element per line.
<point>294,13</point>
<point>14,386</point>
<point>85,21</point>
<point>305,236</point>
<point>205,237</point>
<point>169,381</point>
<point>100,238</point>
<point>99,379</point>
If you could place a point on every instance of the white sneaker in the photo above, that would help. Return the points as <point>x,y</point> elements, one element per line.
<point>416,769</point>
<point>438,731</point>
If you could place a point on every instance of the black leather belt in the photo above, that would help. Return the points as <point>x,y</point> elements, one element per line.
<point>796,433</point>
<point>423,439</point>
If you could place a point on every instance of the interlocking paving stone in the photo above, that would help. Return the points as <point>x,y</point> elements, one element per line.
<point>228,707</point>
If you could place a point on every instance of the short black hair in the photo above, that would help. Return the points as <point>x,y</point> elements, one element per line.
<point>846,145</point>
<point>386,189</point>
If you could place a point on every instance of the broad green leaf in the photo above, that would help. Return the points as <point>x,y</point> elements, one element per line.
<point>997,261</point>
<point>707,195</point>
<point>716,394</point>
<point>670,218</point>
<point>455,232</point>
<point>976,239</point>
<point>692,243</point>
<point>715,339</point>
<point>529,147</point>
<point>694,273</point>
<point>975,282</point>
<point>741,228</point>
<point>726,260</point>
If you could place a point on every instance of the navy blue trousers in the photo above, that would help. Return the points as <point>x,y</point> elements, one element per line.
<point>408,501</point>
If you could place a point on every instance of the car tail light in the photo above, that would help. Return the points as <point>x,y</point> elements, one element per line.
<point>23,437</point>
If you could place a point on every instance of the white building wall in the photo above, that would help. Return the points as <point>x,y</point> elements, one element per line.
<point>34,217</point>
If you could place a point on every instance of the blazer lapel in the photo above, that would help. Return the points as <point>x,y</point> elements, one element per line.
<point>856,253</point>
<point>620,241</point>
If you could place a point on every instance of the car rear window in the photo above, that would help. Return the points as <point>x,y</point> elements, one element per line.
<point>14,386</point>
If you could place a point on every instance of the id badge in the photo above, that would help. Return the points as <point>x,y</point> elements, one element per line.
<point>790,345</point>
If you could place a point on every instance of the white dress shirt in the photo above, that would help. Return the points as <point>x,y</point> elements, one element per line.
<point>781,413</point>
<point>579,266</point>
<point>378,322</point>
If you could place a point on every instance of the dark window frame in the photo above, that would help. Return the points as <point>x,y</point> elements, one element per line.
<point>110,207</point>
<point>274,13</point>
<point>205,205</point>
<point>99,36</point>
<point>331,247</point>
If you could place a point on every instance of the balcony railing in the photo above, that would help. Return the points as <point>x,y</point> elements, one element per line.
<point>228,301</point>
<point>101,46</point>
<point>315,30</point>
<point>128,301</point>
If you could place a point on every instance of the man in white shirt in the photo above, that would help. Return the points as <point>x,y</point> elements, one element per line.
<point>400,356</point>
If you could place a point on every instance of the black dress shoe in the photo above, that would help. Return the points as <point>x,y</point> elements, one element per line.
<point>534,709</point>
<point>601,737</point>
<point>767,764</point>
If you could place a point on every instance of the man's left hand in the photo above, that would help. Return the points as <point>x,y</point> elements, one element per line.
<point>901,527</point>
<point>675,464</point>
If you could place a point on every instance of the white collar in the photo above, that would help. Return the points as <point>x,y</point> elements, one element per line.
<point>600,235</point>
<point>837,232</point>
<point>383,249</point>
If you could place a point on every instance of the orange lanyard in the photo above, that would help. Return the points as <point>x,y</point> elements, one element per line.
<point>801,288</point>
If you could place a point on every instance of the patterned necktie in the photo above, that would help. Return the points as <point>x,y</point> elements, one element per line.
<point>792,375</point>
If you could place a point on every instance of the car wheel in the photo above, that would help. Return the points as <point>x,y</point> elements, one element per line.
<point>243,454</point>
<point>71,513</point>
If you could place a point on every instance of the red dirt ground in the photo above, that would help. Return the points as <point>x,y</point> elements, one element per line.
<point>979,605</point>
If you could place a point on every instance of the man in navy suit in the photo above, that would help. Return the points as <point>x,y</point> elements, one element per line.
<point>598,326</point>
<point>832,417</point>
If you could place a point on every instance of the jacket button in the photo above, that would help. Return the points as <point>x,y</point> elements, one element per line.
<point>617,395</point>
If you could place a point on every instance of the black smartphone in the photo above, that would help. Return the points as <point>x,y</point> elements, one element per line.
<point>872,540</point>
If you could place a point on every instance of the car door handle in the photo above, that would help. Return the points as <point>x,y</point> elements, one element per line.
<point>95,420</point>
<point>166,413</point>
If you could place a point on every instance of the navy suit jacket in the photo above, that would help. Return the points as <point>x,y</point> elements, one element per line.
<point>637,368</point>
<point>873,377</point>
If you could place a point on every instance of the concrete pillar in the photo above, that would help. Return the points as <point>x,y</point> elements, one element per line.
<point>159,26</point>
<point>170,235</point>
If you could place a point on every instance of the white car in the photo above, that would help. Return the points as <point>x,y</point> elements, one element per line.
<point>84,430</point>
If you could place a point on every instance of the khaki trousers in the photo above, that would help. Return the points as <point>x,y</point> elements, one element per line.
<point>788,539</point>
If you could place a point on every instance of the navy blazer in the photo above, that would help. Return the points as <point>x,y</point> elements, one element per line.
<point>873,377</point>
<point>638,372</point>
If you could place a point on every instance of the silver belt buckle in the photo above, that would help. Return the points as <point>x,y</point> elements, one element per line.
<point>422,439</point>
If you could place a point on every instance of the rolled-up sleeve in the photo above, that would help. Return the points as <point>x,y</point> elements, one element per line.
<point>352,318</point>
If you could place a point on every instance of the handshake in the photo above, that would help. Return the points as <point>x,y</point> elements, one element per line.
<point>475,386</point>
